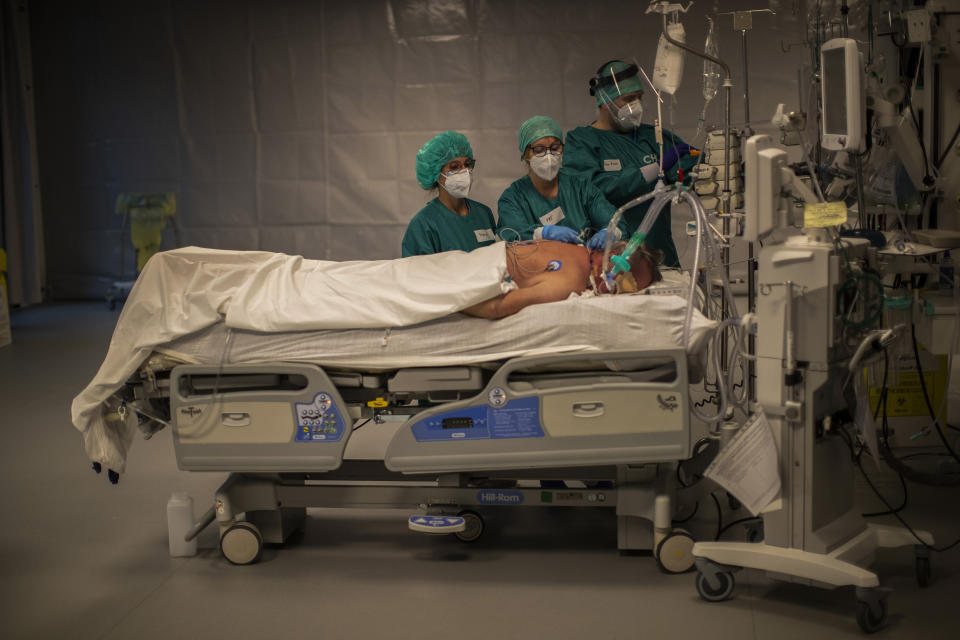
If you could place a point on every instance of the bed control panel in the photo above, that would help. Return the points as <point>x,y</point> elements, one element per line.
<point>319,421</point>
<point>514,419</point>
<point>258,418</point>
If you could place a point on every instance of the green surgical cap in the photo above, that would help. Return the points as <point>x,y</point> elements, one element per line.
<point>623,85</point>
<point>440,150</point>
<point>538,127</point>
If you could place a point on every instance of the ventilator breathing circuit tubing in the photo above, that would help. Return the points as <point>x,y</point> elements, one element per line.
<point>661,196</point>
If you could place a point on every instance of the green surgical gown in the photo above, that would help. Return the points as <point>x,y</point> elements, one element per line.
<point>435,228</point>
<point>612,161</point>
<point>578,205</point>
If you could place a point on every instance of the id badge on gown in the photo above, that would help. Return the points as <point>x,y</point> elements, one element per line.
<point>612,164</point>
<point>552,217</point>
<point>484,235</point>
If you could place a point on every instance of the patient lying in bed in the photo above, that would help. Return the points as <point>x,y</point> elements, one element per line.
<point>181,292</point>
<point>547,271</point>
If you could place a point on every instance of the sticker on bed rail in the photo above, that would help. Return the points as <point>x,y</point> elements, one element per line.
<point>319,421</point>
<point>515,419</point>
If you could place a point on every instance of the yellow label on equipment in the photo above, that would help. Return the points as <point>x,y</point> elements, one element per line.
<point>824,214</point>
<point>906,399</point>
<point>379,403</point>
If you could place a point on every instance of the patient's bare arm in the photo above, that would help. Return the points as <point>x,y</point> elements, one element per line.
<point>544,272</point>
<point>550,289</point>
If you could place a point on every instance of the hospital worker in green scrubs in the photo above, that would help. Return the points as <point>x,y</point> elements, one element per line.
<point>548,203</point>
<point>620,155</point>
<point>451,221</point>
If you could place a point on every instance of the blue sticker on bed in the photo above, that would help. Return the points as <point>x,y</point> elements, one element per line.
<point>516,419</point>
<point>319,421</point>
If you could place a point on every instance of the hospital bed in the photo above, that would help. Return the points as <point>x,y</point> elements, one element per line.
<point>277,369</point>
<point>449,417</point>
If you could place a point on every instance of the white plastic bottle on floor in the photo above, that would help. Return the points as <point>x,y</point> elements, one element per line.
<point>179,523</point>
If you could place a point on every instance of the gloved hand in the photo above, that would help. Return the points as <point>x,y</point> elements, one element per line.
<point>558,233</point>
<point>672,155</point>
<point>598,242</point>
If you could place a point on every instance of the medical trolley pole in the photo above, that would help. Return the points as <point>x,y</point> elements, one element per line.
<point>725,251</point>
<point>743,22</point>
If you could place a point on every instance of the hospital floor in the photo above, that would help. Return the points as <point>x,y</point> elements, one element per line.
<point>81,558</point>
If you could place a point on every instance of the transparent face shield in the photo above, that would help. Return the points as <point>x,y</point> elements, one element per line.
<point>621,93</point>
<point>628,114</point>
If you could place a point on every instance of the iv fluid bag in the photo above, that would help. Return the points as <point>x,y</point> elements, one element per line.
<point>668,67</point>
<point>711,70</point>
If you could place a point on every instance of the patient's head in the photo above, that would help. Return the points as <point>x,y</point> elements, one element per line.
<point>644,268</point>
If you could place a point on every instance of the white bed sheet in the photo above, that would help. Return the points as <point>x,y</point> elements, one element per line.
<point>579,324</point>
<point>187,290</point>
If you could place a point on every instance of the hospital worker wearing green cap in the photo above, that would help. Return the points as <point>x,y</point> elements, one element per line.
<point>620,155</point>
<point>451,221</point>
<point>548,203</point>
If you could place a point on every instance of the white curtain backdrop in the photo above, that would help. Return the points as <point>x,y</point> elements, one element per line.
<point>292,125</point>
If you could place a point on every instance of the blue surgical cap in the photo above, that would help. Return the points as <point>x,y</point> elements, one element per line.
<point>538,127</point>
<point>614,79</point>
<point>440,150</point>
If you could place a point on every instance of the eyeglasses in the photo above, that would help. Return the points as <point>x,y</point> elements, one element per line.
<point>540,150</point>
<point>455,165</point>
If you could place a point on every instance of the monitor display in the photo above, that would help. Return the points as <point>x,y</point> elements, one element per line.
<point>841,92</point>
<point>834,92</point>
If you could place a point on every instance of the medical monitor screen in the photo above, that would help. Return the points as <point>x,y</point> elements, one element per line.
<point>834,92</point>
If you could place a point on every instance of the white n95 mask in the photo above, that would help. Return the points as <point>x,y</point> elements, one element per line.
<point>546,166</point>
<point>458,183</point>
<point>630,115</point>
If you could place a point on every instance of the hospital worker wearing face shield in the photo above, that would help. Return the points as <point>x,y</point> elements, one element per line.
<point>548,203</point>
<point>451,221</point>
<point>620,155</point>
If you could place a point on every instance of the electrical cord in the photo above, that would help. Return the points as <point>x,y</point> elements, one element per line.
<point>735,523</point>
<point>916,122</point>
<point>362,424</point>
<point>696,506</point>
<point>716,501</point>
<point>683,485</point>
<point>897,465</point>
<point>949,146</point>
<point>857,282</point>
<point>926,397</point>
<point>856,455</point>
<point>931,479</point>
<point>895,514</point>
<point>711,400</point>
<point>903,505</point>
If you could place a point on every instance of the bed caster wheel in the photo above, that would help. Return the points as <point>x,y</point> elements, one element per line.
<point>718,592</point>
<point>871,616</point>
<point>473,528</point>
<point>241,543</point>
<point>674,554</point>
